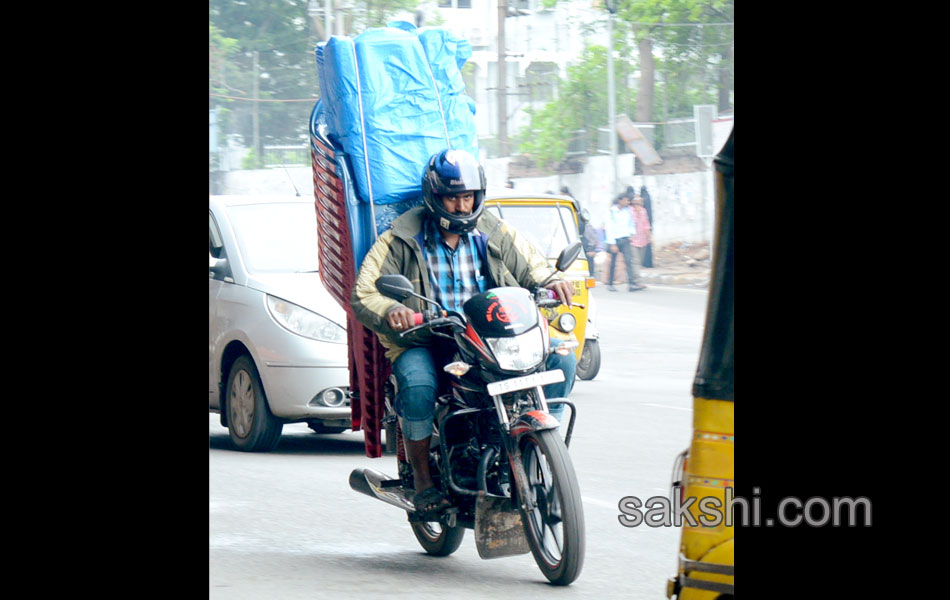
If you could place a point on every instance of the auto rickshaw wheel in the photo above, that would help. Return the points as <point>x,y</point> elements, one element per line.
<point>589,364</point>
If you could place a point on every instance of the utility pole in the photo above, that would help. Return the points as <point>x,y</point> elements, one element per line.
<point>255,115</point>
<point>502,81</point>
<point>611,99</point>
<point>313,13</point>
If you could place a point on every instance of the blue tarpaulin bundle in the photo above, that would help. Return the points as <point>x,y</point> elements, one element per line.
<point>393,96</point>
<point>390,98</point>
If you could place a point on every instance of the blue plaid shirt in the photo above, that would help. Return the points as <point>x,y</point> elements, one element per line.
<point>456,275</point>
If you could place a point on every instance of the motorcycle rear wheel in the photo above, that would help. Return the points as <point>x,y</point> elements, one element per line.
<point>555,527</point>
<point>437,539</point>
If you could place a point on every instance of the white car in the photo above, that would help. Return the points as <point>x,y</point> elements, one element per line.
<point>277,349</point>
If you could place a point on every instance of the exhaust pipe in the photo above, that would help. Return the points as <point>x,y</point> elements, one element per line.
<point>382,487</point>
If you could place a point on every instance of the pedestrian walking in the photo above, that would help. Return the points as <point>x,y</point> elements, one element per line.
<point>641,239</point>
<point>590,238</point>
<point>620,227</point>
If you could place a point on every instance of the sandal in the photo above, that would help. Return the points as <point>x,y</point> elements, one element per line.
<point>430,502</point>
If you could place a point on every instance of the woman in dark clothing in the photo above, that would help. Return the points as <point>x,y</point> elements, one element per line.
<point>648,251</point>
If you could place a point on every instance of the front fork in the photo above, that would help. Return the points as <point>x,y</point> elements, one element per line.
<point>535,420</point>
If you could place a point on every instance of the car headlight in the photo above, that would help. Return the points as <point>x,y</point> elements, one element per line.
<point>303,322</point>
<point>520,352</point>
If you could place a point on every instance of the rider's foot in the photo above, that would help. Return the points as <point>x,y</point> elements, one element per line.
<point>430,501</point>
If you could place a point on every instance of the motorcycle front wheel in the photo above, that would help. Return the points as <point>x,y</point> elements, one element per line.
<point>437,539</point>
<point>555,526</point>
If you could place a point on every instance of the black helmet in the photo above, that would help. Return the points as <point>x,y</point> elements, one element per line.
<point>448,173</point>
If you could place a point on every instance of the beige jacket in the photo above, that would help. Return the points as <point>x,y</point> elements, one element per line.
<point>511,261</point>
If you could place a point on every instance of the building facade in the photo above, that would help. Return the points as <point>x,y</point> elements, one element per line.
<point>540,43</point>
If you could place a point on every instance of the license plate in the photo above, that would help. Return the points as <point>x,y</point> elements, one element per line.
<point>522,383</point>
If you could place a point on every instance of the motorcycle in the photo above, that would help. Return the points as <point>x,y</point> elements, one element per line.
<point>496,452</point>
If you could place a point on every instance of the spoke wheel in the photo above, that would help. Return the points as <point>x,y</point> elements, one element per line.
<point>554,525</point>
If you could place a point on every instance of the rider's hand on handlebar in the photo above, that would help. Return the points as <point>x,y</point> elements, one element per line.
<point>401,318</point>
<point>563,289</point>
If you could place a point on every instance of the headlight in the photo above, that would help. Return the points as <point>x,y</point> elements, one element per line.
<point>518,353</point>
<point>566,322</point>
<point>304,322</point>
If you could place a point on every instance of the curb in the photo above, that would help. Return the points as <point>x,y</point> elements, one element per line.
<point>697,280</point>
<point>693,280</point>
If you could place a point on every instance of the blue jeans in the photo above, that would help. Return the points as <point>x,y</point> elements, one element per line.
<point>568,364</point>
<point>417,382</point>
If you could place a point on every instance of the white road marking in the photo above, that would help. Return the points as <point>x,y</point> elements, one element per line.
<point>665,406</point>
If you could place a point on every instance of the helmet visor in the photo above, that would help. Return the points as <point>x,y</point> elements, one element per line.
<point>459,172</point>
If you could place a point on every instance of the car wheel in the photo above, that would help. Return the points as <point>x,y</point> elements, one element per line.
<point>251,425</point>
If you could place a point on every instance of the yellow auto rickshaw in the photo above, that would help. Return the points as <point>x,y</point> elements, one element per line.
<point>706,562</point>
<point>551,222</point>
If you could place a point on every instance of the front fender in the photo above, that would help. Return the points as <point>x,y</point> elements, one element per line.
<point>591,333</point>
<point>536,420</point>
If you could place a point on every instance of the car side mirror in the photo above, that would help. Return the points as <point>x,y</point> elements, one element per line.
<point>395,286</point>
<point>218,266</point>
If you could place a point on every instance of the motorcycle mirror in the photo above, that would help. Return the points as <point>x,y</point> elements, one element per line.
<point>395,286</point>
<point>568,255</point>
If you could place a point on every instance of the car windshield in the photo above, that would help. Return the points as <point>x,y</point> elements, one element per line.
<point>549,227</point>
<point>276,238</point>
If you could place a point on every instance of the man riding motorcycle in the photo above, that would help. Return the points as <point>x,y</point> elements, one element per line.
<point>450,249</point>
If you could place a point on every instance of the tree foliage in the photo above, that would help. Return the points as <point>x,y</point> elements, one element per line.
<point>581,107</point>
<point>682,51</point>
<point>693,50</point>
<point>283,37</point>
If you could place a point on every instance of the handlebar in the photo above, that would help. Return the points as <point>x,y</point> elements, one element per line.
<point>419,321</point>
<point>548,298</point>
<point>544,297</point>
